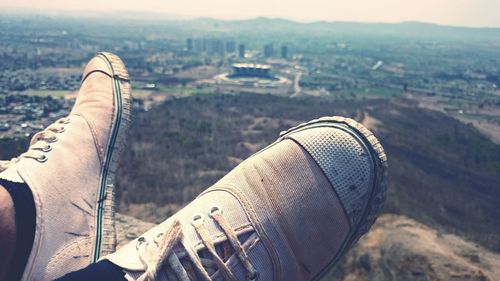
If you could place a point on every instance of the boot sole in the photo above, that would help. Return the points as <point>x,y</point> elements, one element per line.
<point>105,216</point>
<point>379,158</point>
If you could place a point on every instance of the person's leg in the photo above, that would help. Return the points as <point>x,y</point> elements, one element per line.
<point>7,232</point>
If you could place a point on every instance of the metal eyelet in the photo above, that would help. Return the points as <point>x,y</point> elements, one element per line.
<point>140,241</point>
<point>47,148</point>
<point>62,130</point>
<point>42,159</point>
<point>214,210</point>
<point>55,139</point>
<point>198,219</point>
<point>65,120</point>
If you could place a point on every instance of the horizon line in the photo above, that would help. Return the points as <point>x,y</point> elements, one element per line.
<point>183,17</point>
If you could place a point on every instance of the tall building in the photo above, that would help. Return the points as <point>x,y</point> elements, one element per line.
<point>189,44</point>
<point>204,43</point>
<point>200,45</point>
<point>219,47</point>
<point>215,47</point>
<point>284,52</point>
<point>268,50</point>
<point>241,51</point>
<point>231,47</point>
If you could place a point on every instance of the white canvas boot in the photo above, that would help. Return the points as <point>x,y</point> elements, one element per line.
<point>289,212</point>
<point>70,167</point>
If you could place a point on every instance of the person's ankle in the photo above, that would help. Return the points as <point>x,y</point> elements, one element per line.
<point>102,270</point>
<point>22,218</point>
<point>7,231</point>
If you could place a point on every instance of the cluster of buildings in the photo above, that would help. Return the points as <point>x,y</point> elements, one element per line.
<point>221,47</point>
<point>22,115</point>
<point>210,46</point>
<point>269,51</point>
<point>24,79</point>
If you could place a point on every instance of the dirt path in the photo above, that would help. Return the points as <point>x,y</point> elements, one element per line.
<point>296,85</point>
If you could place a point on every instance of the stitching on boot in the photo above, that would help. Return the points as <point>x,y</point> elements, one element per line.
<point>99,147</point>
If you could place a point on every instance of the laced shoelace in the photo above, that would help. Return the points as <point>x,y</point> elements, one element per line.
<point>40,144</point>
<point>153,254</point>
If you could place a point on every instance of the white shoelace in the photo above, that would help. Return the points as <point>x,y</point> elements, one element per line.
<point>40,143</point>
<point>153,254</point>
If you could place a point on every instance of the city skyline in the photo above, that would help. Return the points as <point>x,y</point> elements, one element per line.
<point>479,13</point>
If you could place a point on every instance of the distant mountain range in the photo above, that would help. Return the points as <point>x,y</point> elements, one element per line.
<point>323,28</point>
<point>189,25</point>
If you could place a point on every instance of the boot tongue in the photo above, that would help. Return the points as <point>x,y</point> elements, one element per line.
<point>127,256</point>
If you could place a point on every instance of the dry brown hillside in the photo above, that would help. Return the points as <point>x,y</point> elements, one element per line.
<point>442,172</point>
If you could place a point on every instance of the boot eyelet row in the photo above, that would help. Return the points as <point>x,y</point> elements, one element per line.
<point>49,147</point>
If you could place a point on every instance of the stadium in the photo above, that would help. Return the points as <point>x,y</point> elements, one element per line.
<point>252,75</point>
<point>252,70</point>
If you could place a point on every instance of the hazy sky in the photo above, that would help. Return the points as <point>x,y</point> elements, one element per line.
<point>451,12</point>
